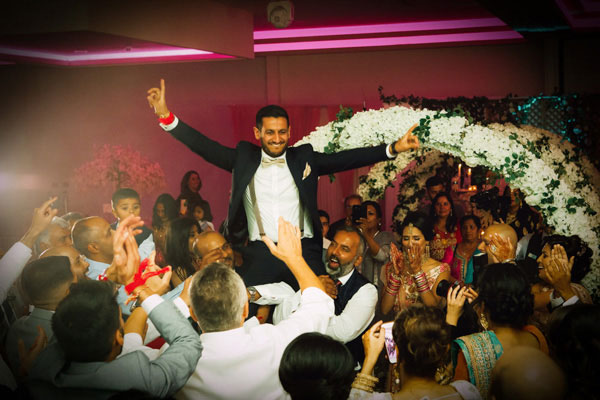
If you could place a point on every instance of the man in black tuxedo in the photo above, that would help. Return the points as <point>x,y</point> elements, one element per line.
<point>272,181</point>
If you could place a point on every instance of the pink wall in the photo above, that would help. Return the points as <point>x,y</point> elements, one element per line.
<point>52,116</point>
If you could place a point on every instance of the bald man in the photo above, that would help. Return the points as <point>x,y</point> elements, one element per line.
<point>527,373</point>
<point>79,265</point>
<point>211,247</point>
<point>499,241</point>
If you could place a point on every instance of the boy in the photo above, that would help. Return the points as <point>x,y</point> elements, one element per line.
<point>125,202</point>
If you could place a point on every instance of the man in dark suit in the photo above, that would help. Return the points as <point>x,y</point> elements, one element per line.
<point>272,181</point>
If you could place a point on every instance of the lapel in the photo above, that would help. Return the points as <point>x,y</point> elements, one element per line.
<point>246,170</point>
<point>295,166</point>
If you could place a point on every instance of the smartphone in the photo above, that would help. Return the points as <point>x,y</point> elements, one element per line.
<point>356,214</point>
<point>390,345</point>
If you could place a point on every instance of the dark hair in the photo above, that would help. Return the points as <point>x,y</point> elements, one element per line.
<point>72,216</point>
<point>419,220</point>
<point>487,200</point>
<point>422,338</point>
<point>184,182</point>
<point>573,333</point>
<point>170,209</point>
<point>375,205</point>
<point>471,217</point>
<point>177,252</point>
<point>124,193</point>
<point>451,220</point>
<point>86,320</point>
<point>575,247</point>
<point>352,196</point>
<point>315,366</point>
<point>271,110</point>
<point>506,294</point>
<point>41,278</point>
<point>323,213</point>
<point>434,181</point>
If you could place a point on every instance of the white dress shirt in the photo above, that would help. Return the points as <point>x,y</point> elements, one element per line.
<point>243,363</point>
<point>354,319</point>
<point>11,265</point>
<point>277,196</point>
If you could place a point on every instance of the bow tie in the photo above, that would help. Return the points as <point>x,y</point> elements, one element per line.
<point>273,161</point>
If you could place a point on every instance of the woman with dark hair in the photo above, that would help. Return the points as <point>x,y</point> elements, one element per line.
<point>564,261</point>
<point>377,251</point>
<point>315,366</point>
<point>516,213</point>
<point>445,228</point>
<point>485,206</point>
<point>164,211</point>
<point>181,235</point>
<point>190,185</point>
<point>412,275</point>
<point>422,340</point>
<point>573,333</point>
<point>504,304</point>
<point>462,261</point>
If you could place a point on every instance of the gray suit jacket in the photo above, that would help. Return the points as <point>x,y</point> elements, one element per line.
<point>26,328</point>
<point>52,377</point>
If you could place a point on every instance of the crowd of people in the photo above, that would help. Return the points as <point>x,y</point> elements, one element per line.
<point>480,301</point>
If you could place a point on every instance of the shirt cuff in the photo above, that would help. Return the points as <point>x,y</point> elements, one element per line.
<point>171,126</point>
<point>388,153</point>
<point>132,340</point>
<point>181,306</point>
<point>571,301</point>
<point>151,302</point>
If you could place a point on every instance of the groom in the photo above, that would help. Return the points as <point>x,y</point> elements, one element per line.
<point>272,181</point>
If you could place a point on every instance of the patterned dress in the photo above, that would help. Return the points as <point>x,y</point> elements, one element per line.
<point>441,241</point>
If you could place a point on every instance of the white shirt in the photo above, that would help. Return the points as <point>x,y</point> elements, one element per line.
<point>277,196</point>
<point>11,265</point>
<point>354,319</point>
<point>243,363</point>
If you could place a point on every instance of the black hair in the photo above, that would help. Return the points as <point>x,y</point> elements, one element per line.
<point>271,110</point>
<point>41,278</point>
<point>423,338</point>
<point>124,193</point>
<point>170,209</point>
<point>451,220</point>
<point>315,366</point>
<point>418,220</point>
<point>375,205</point>
<point>506,294</point>
<point>471,217</point>
<point>575,247</point>
<point>487,200</point>
<point>86,320</point>
<point>177,252</point>
<point>184,182</point>
<point>434,181</point>
<point>323,213</point>
<point>573,333</point>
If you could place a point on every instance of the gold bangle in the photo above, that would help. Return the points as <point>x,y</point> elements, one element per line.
<point>367,377</point>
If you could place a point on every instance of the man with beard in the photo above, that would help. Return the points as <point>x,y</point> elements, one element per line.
<point>354,296</point>
<point>272,181</point>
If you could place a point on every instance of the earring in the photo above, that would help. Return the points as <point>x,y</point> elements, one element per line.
<point>484,322</point>
<point>427,254</point>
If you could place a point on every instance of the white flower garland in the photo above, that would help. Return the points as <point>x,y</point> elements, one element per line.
<point>563,184</point>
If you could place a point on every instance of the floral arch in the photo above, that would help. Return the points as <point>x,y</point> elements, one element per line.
<point>552,173</point>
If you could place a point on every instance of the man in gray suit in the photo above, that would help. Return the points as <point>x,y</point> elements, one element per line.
<point>46,282</point>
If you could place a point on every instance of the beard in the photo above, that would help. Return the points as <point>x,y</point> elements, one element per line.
<point>271,153</point>
<point>341,270</point>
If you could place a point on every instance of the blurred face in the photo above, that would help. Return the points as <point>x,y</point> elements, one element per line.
<point>434,190</point>
<point>193,236</point>
<point>544,261</point>
<point>198,213</point>
<point>353,201</point>
<point>372,219</point>
<point>59,236</point>
<point>274,135</point>
<point>126,207</point>
<point>442,207</point>
<point>194,183</point>
<point>183,207</point>
<point>479,212</point>
<point>160,211</point>
<point>325,224</point>
<point>486,240</point>
<point>411,235</point>
<point>469,230</point>
<point>342,254</point>
<point>79,266</point>
<point>102,236</point>
<point>213,244</point>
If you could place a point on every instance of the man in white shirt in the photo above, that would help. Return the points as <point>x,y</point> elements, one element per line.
<point>272,181</point>
<point>355,298</point>
<point>240,361</point>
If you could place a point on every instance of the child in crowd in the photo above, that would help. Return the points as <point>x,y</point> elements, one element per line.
<point>198,214</point>
<point>125,202</point>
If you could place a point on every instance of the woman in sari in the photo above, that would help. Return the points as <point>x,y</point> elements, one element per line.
<point>504,304</point>
<point>462,262</point>
<point>445,228</point>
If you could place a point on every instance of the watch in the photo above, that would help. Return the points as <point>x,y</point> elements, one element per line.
<point>252,290</point>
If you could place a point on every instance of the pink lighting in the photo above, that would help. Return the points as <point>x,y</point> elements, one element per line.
<point>380,28</point>
<point>388,41</point>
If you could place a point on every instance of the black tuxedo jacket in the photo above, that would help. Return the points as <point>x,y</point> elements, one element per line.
<point>305,165</point>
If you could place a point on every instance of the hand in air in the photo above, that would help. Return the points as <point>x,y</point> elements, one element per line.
<point>288,244</point>
<point>455,303</point>
<point>397,259</point>
<point>374,340</point>
<point>126,258</point>
<point>408,141</point>
<point>501,249</point>
<point>156,100</point>
<point>559,269</point>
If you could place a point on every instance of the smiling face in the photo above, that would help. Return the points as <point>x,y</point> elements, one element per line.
<point>342,254</point>
<point>373,220</point>
<point>194,183</point>
<point>273,135</point>
<point>544,261</point>
<point>411,235</point>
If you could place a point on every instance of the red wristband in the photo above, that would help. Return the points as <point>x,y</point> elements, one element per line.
<point>140,278</point>
<point>168,119</point>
